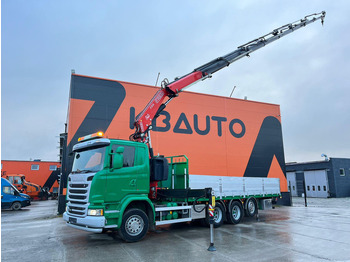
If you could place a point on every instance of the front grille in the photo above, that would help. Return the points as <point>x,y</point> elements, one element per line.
<point>75,202</point>
<point>78,213</point>
<point>78,185</point>
<point>76,210</point>
<point>78,191</point>
<point>78,195</point>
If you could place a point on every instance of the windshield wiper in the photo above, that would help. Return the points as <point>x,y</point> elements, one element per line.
<point>82,171</point>
<point>86,171</point>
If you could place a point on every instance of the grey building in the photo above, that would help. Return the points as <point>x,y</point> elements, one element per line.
<point>328,178</point>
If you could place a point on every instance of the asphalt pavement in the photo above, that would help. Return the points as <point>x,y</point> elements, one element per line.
<point>319,232</point>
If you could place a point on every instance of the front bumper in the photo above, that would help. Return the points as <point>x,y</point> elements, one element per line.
<point>88,223</point>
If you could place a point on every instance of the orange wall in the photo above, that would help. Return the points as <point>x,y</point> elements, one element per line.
<point>209,154</point>
<point>38,177</point>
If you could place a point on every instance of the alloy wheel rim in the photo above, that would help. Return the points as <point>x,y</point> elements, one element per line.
<point>134,225</point>
<point>236,212</point>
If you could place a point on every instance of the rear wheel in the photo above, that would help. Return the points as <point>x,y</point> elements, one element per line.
<point>251,207</point>
<point>235,212</point>
<point>16,206</point>
<point>134,225</point>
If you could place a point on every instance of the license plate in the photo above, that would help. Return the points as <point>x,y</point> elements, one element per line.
<point>72,220</point>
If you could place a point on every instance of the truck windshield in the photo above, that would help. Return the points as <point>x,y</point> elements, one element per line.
<point>18,180</point>
<point>89,160</point>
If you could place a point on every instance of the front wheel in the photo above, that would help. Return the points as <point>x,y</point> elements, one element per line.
<point>16,206</point>
<point>134,225</point>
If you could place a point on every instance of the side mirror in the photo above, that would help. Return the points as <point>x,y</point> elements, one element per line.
<point>118,158</point>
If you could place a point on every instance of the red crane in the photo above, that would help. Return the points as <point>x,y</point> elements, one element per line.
<point>143,122</point>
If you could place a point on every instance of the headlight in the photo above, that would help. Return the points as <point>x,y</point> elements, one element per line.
<point>95,212</point>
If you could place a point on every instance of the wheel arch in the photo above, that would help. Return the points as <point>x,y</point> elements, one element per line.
<point>143,204</point>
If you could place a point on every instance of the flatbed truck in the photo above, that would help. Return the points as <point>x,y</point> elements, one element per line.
<point>120,185</point>
<point>110,187</point>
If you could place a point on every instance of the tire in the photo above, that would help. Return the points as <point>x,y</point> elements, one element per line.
<point>134,225</point>
<point>219,216</point>
<point>235,212</point>
<point>16,206</point>
<point>251,207</point>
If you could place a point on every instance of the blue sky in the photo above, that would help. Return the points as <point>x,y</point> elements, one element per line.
<point>307,72</point>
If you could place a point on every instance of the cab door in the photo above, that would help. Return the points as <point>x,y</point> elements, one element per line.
<point>126,180</point>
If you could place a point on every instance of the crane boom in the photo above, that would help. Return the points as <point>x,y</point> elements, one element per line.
<point>143,122</point>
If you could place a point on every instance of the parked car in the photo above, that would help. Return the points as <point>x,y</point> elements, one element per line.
<point>11,197</point>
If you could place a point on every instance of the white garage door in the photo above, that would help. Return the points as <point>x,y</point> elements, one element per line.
<point>316,183</point>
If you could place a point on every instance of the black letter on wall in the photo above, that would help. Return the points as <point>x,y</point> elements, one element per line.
<point>187,130</point>
<point>219,120</point>
<point>269,143</point>
<point>166,121</point>
<point>240,122</point>
<point>207,125</point>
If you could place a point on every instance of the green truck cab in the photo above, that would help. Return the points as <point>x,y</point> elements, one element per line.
<point>108,177</point>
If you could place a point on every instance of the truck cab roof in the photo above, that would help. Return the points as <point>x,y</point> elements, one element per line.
<point>100,142</point>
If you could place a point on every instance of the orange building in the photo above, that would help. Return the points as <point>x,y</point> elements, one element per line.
<point>42,173</point>
<point>221,136</point>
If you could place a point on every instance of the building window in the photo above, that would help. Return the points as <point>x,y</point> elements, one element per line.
<point>53,168</point>
<point>319,188</point>
<point>342,171</point>
<point>35,167</point>
<point>324,188</point>
<point>313,188</point>
<point>308,188</point>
